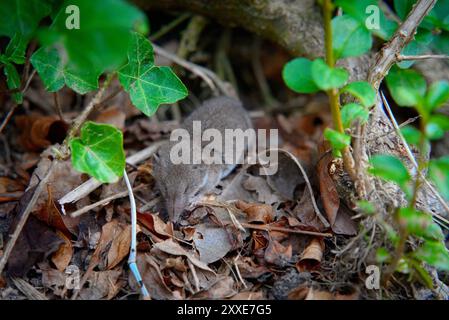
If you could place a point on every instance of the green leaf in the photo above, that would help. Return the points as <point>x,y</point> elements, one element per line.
<point>297,75</point>
<point>363,91</point>
<point>434,253</point>
<point>326,77</point>
<point>98,45</point>
<point>407,87</point>
<point>15,51</point>
<point>149,85</point>
<point>99,152</point>
<point>21,16</point>
<point>403,7</point>
<point>436,126</point>
<point>366,207</point>
<point>441,42</point>
<point>353,111</point>
<point>337,140</point>
<point>437,95</point>
<point>382,255</point>
<point>390,168</point>
<point>349,38</point>
<point>419,224</point>
<point>13,81</point>
<point>55,74</point>
<point>411,135</point>
<point>439,174</point>
<point>422,274</point>
<point>362,11</point>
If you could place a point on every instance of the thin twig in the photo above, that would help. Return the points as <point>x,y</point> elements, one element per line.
<point>413,160</point>
<point>24,217</point>
<point>309,185</point>
<point>207,75</point>
<point>57,106</point>
<point>400,57</point>
<point>168,27</point>
<point>266,227</point>
<point>102,202</point>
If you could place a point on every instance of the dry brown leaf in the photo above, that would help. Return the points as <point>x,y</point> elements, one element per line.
<point>312,255</point>
<point>249,295</point>
<point>314,294</point>
<point>328,190</point>
<point>262,213</point>
<point>173,248</point>
<point>119,248</point>
<point>63,256</point>
<point>212,242</point>
<point>39,132</point>
<point>102,284</point>
<point>222,289</point>
<point>278,254</point>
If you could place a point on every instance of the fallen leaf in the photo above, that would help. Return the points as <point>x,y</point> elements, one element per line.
<point>39,132</point>
<point>63,256</point>
<point>173,248</point>
<point>305,212</point>
<point>264,192</point>
<point>153,279</point>
<point>119,248</point>
<point>35,243</point>
<point>222,289</point>
<point>278,254</point>
<point>344,224</point>
<point>249,295</point>
<point>328,190</point>
<point>212,242</point>
<point>262,213</point>
<point>314,294</point>
<point>312,255</point>
<point>102,284</point>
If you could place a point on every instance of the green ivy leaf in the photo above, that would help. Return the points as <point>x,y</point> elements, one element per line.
<point>392,169</point>
<point>406,86</point>
<point>15,51</point>
<point>326,77</point>
<point>439,174</point>
<point>436,126</point>
<point>363,91</point>
<point>21,17</point>
<point>13,81</point>
<point>359,11</point>
<point>349,38</point>
<point>434,253</point>
<point>337,140</point>
<point>297,75</point>
<point>99,152</point>
<point>99,45</point>
<point>149,85</point>
<point>411,135</point>
<point>353,111</point>
<point>437,95</point>
<point>419,224</point>
<point>55,74</point>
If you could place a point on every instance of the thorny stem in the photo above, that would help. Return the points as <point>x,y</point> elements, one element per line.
<point>334,97</point>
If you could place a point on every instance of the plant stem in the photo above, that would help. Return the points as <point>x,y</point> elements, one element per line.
<point>334,97</point>
<point>398,253</point>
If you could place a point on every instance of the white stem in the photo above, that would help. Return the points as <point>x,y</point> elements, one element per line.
<point>133,249</point>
